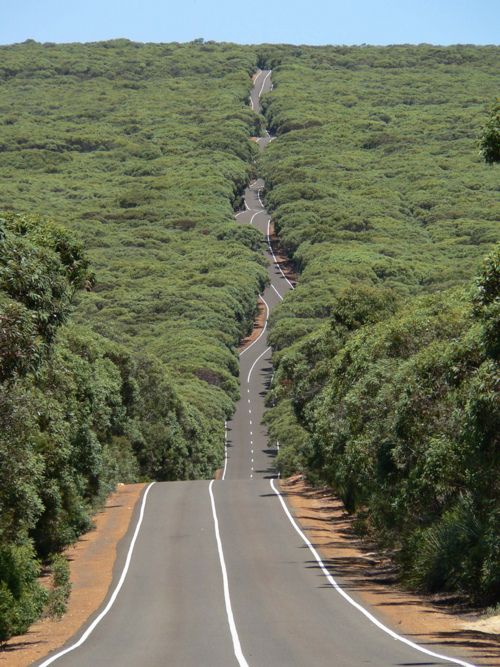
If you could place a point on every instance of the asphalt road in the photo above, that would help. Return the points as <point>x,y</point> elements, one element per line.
<point>219,576</point>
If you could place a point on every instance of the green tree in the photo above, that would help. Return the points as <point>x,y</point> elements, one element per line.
<point>490,141</point>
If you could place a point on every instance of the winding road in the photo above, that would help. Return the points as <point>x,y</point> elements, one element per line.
<point>217,573</point>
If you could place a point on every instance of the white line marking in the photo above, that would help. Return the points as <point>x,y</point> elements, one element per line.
<point>255,215</point>
<point>258,197</point>
<point>253,365</point>
<point>225,452</point>
<point>232,626</point>
<point>247,208</point>
<point>274,288</point>
<point>264,82</point>
<point>272,253</point>
<point>254,84</point>
<point>114,595</point>
<point>261,333</point>
<point>355,604</point>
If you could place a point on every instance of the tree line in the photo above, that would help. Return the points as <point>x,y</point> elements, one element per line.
<point>125,283</point>
<point>386,353</point>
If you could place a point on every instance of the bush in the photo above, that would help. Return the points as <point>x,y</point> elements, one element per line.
<point>21,597</point>
<point>58,596</point>
<point>386,375</point>
<point>490,141</point>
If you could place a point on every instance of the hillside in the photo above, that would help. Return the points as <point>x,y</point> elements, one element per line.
<point>387,351</point>
<point>142,153</point>
<point>126,286</point>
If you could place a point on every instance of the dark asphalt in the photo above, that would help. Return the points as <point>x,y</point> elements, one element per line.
<point>171,609</point>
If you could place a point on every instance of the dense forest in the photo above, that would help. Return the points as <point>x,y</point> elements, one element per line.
<point>126,285</point>
<point>141,152</point>
<point>386,353</point>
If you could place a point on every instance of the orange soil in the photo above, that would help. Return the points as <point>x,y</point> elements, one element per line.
<point>424,619</point>
<point>91,563</point>
<point>326,524</point>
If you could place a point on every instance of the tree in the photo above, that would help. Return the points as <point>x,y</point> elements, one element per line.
<point>490,141</point>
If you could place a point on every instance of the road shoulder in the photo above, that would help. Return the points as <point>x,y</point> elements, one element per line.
<point>424,619</point>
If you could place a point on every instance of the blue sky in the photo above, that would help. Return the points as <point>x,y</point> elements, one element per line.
<point>291,21</point>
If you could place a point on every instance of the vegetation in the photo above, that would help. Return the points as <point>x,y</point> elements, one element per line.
<point>122,165</point>
<point>142,153</point>
<point>386,383</point>
<point>490,141</point>
<point>58,596</point>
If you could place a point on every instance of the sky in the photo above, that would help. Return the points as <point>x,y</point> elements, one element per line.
<point>276,21</point>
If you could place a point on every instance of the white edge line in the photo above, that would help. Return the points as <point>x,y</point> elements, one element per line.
<point>225,452</point>
<point>272,253</point>
<point>251,100</point>
<point>255,362</point>
<point>255,214</point>
<point>263,330</point>
<point>274,288</point>
<point>229,611</point>
<point>258,195</point>
<point>114,595</point>
<point>355,604</point>
<point>264,82</point>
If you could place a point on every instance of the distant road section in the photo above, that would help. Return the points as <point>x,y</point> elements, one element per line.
<point>220,575</point>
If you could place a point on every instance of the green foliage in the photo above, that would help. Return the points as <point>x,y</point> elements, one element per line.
<point>41,268</point>
<point>58,596</point>
<point>458,552</point>
<point>142,152</point>
<point>490,140</point>
<point>386,382</point>
<point>487,303</point>
<point>21,597</point>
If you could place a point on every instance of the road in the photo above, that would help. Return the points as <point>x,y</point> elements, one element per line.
<point>219,576</point>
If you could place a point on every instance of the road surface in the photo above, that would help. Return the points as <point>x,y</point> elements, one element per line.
<point>219,576</point>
